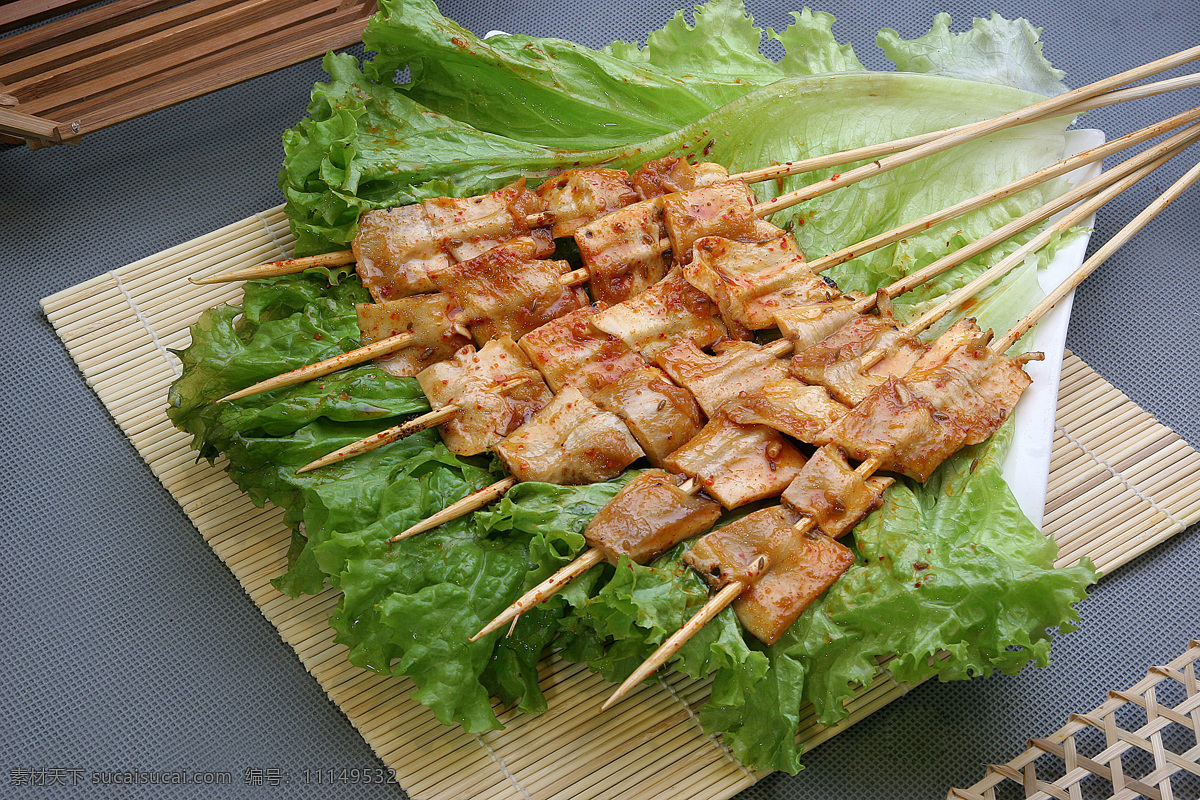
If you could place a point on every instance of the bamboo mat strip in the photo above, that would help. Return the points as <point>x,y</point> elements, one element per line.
<point>1120,483</point>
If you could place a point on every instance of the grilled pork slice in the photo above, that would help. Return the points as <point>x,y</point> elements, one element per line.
<point>673,174</point>
<point>649,516</point>
<point>737,464</point>
<point>468,226</point>
<point>900,428</point>
<point>504,294</point>
<point>569,352</point>
<point>571,441</point>
<point>800,566</point>
<point>485,417</point>
<point>669,311</point>
<point>789,406</point>
<point>735,370</point>
<point>837,362</point>
<point>752,281</point>
<point>661,415</point>
<point>395,250</point>
<point>622,253</point>
<point>808,324</point>
<point>720,209</point>
<point>833,494</point>
<point>578,196</point>
<point>429,318</point>
<point>965,380</point>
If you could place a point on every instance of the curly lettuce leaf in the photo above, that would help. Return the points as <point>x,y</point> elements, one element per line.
<point>571,96</point>
<point>996,50</point>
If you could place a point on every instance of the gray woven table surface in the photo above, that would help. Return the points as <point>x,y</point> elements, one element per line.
<point>129,646</point>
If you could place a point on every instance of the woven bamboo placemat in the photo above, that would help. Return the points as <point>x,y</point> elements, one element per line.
<point>1120,483</point>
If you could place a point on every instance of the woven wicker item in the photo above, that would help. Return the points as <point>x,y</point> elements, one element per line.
<point>1113,463</point>
<point>1127,755</point>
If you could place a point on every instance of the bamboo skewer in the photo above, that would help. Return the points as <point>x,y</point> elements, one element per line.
<point>716,604</point>
<point>323,368</point>
<point>1053,105</point>
<point>274,269</point>
<point>1068,221</point>
<point>874,151</point>
<point>1086,98</point>
<point>1055,170</point>
<point>428,420</point>
<point>471,502</point>
<point>1099,257</point>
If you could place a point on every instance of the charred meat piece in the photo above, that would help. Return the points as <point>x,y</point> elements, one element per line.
<point>899,428</point>
<point>569,352</point>
<point>649,516</point>
<point>962,378</point>
<point>673,174</point>
<point>752,281</point>
<point>738,464</point>
<point>468,226</point>
<point>661,415</point>
<point>789,406</point>
<point>429,318</point>
<point>832,494</point>
<point>395,250</point>
<point>622,251</point>
<point>504,294</point>
<point>800,566</point>
<point>736,370</point>
<point>571,441</point>
<point>838,362</point>
<point>808,324</point>
<point>485,416</point>
<point>669,311</point>
<point>721,209</point>
<point>578,196</point>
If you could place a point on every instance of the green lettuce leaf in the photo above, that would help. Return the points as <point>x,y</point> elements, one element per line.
<point>997,50</point>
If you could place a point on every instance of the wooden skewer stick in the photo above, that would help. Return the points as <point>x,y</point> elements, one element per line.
<point>1068,221</point>
<point>671,646</point>
<point>544,590</point>
<point>470,503</point>
<point>1154,154</point>
<point>714,606</point>
<point>1055,170</point>
<point>428,420</point>
<point>377,349</point>
<point>1052,105</point>
<point>322,368</point>
<point>547,588</point>
<point>1105,96</point>
<point>273,269</point>
<point>874,151</point>
<point>1099,257</point>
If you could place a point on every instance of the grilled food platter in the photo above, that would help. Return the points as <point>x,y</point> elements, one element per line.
<point>564,271</point>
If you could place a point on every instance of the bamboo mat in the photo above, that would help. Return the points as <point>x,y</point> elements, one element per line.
<point>1120,483</point>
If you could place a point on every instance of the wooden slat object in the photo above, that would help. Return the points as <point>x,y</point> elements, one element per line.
<point>1120,483</point>
<point>1136,724</point>
<point>118,61</point>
